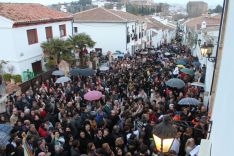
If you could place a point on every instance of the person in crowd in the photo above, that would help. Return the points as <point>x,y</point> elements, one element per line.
<point>57,120</point>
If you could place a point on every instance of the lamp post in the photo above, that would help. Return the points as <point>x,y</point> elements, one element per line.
<point>206,51</point>
<point>163,135</point>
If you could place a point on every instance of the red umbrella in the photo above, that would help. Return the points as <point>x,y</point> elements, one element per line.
<point>93,95</point>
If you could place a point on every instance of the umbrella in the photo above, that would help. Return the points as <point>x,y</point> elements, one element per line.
<point>196,63</point>
<point>4,138</point>
<point>189,101</point>
<point>58,73</point>
<point>75,71</point>
<point>182,62</point>
<point>180,66</point>
<point>93,95</point>
<point>187,71</point>
<point>63,79</point>
<point>144,52</point>
<point>82,72</point>
<point>104,68</point>
<point>167,54</point>
<point>87,72</point>
<point>199,84</point>
<point>175,83</point>
<point>5,130</point>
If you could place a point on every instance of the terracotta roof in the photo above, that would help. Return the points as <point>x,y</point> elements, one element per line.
<point>195,23</point>
<point>153,23</point>
<point>31,13</point>
<point>104,15</point>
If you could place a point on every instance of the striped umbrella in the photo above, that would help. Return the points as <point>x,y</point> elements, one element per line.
<point>189,101</point>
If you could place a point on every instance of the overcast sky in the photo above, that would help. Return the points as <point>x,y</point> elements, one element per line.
<point>47,2</point>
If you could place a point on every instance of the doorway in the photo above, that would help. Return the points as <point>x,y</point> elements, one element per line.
<point>37,67</point>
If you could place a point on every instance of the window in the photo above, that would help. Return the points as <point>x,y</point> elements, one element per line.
<point>128,38</point>
<point>75,30</point>
<point>62,30</point>
<point>32,36</point>
<point>49,33</point>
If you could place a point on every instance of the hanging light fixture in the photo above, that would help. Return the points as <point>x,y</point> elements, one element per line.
<point>206,51</point>
<point>164,134</point>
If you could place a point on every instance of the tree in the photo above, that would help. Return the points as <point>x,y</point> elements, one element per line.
<point>79,43</point>
<point>2,62</point>
<point>85,2</point>
<point>56,50</point>
<point>217,9</point>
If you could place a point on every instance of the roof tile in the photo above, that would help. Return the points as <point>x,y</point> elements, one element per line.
<point>105,15</point>
<point>22,13</point>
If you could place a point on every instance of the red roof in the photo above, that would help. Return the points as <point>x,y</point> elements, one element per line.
<point>105,15</point>
<point>31,13</point>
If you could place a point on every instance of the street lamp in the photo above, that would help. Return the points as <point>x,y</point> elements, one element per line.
<point>206,51</point>
<point>164,134</point>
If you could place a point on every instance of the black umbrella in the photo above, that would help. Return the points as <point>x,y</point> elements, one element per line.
<point>82,72</point>
<point>175,83</point>
<point>189,101</point>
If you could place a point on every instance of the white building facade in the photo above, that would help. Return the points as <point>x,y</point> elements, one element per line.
<point>221,137</point>
<point>112,30</point>
<point>22,42</point>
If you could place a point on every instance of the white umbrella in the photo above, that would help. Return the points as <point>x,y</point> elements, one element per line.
<point>104,68</point>
<point>199,84</point>
<point>58,73</point>
<point>144,52</point>
<point>167,53</point>
<point>63,79</point>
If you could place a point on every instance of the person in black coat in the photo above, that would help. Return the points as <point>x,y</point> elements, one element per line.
<point>98,139</point>
<point>83,143</point>
<point>107,138</point>
<point>19,149</point>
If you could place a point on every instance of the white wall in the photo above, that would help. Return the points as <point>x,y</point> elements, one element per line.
<point>5,23</point>
<point>132,26</point>
<point>222,133</point>
<point>16,49</point>
<point>108,36</point>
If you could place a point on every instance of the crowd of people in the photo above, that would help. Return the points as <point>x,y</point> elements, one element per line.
<point>55,119</point>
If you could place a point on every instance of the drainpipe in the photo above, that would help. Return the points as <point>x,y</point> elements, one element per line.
<point>72,26</point>
<point>126,35</point>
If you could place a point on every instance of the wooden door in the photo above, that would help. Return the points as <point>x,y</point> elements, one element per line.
<point>37,68</point>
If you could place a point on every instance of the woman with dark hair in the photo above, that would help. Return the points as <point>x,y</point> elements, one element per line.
<point>75,148</point>
<point>83,143</point>
<point>91,149</point>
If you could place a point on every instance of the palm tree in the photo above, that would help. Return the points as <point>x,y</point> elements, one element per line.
<point>79,44</point>
<point>55,50</point>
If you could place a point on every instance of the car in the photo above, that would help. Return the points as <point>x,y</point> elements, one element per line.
<point>118,55</point>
